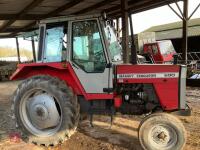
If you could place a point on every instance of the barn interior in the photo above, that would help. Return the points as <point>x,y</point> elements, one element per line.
<point>18,17</point>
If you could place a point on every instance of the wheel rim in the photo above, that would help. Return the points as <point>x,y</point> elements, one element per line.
<point>162,136</point>
<point>40,112</point>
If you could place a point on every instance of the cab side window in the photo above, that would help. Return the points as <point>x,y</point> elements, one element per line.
<point>87,48</point>
<point>55,43</point>
<point>53,48</point>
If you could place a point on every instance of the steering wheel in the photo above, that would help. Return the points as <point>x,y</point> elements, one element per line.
<point>99,56</point>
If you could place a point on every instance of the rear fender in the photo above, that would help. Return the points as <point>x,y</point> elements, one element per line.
<point>62,71</point>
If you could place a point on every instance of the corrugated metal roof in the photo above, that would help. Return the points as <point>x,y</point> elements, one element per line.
<point>174,30</point>
<point>14,12</point>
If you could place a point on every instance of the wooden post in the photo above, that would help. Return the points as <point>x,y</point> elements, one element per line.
<point>185,31</point>
<point>33,49</point>
<point>133,49</point>
<point>18,53</point>
<point>125,33</point>
<point>117,28</point>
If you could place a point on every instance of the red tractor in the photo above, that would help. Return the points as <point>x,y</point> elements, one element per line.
<point>79,70</point>
<point>160,51</point>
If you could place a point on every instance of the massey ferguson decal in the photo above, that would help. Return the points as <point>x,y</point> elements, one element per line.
<point>148,75</point>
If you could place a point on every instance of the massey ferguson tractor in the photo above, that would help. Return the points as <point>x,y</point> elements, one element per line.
<point>79,70</point>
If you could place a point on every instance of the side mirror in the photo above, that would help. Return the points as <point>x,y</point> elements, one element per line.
<point>110,22</point>
<point>104,16</point>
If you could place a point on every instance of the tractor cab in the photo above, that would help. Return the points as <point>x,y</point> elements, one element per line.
<point>88,41</point>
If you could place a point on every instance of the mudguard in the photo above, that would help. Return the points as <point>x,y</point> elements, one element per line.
<point>63,71</point>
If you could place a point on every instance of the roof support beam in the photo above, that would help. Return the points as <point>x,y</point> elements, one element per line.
<point>10,30</point>
<point>62,8</point>
<point>133,48</point>
<point>33,4</point>
<point>125,32</point>
<point>7,24</point>
<point>33,48</point>
<point>139,6</point>
<point>181,17</point>
<point>185,31</point>
<point>25,28</point>
<point>53,13</point>
<point>194,11</point>
<point>177,5</point>
<point>93,7</point>
<point>149,5</point>
<point>18,53</point>
<point>5,36</point>
<point>135,3</point>
<point>117,28</point>
<point>24,17</point>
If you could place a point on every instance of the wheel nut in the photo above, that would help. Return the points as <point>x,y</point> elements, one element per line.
<point>162,136</point>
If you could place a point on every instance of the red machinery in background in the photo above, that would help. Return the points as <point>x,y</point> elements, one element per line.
<point>160,51</point>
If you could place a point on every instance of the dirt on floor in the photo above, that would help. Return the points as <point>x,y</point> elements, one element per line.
<point>121,136</point>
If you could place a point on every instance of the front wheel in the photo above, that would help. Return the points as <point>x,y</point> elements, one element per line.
<point>162,132</point>
<point>46,110</point>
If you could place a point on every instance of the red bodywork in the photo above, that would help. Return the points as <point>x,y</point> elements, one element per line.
<point>166,88</point>
<point>63,71</point>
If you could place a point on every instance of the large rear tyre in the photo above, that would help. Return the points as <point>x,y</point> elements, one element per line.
<point>46,110</point>
<point>162,132</point>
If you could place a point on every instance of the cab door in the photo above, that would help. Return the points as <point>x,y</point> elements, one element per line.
<point>88,56</point>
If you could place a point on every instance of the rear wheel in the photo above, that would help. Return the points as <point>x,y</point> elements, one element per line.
<point>46,110</point>
<point>162,132</point>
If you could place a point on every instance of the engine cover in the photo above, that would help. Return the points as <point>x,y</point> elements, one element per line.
<point>165,80</point>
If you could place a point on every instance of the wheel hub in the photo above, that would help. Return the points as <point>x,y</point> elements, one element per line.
<point>42,111</point>
<point>162,136</point>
